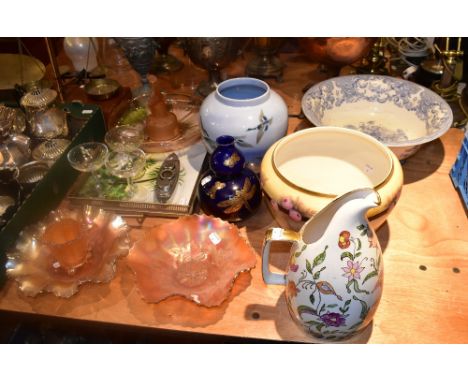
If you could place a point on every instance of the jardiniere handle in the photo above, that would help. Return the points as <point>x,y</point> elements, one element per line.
<point>275,234</point>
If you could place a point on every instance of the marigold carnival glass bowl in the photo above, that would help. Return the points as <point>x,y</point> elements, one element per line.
<point>197,257</point>
<point>304,171</point>
<point>400,114</point>
<point>68,248</point>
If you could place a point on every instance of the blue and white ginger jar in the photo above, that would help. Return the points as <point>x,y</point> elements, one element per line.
<point>247,109</point>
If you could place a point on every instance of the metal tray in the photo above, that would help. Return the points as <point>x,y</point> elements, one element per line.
<point>193,164</point>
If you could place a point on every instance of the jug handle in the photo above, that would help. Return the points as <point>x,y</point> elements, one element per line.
<point>271,235</point>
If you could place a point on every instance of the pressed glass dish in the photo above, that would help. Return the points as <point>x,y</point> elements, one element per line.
<point>185,109</point>
<point>197,257</point>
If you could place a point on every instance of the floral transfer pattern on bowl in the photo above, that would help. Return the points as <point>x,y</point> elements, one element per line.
<point>197,257</point>
<point>399,113</point>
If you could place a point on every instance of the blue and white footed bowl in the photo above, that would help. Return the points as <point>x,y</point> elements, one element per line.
<point>401,114</point>
<point>247,109</point>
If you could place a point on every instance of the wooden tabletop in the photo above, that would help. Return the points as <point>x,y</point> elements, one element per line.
<point>425,244</point>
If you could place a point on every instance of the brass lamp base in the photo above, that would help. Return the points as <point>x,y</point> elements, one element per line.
<point>448,93</point>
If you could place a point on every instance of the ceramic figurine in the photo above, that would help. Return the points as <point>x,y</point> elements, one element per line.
<point>335,272</point>
<point>229,190</point>
<point>246,108</point>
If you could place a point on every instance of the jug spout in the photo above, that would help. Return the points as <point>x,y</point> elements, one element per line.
<point>370,197</point>
<point>354,203</point>
<point>359,201</point>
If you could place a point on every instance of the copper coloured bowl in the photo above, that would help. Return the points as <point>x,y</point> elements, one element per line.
<point>336,51</point>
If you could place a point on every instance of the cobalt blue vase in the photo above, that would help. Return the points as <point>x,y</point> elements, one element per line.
<point>229,190</point>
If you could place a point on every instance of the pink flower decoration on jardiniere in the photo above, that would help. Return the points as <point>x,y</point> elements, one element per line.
<point>352,270</point>
<point>295,215</point>
<point>286,203</point>
<point>343,240</point>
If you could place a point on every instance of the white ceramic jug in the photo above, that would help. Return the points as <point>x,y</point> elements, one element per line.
<point>335,272</point>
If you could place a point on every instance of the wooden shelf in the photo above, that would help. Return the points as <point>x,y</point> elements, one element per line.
<point>425,243</point>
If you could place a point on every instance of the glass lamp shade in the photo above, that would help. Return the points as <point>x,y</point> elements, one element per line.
<point>82,52</point>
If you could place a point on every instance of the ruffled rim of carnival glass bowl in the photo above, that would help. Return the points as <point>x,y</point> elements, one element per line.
<point>418,141</point>
<point>160,248</point>
<point>28,261</point>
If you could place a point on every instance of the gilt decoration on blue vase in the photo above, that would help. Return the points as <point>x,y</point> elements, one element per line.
<point>229,190</point>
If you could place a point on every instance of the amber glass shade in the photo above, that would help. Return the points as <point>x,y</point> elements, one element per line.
<point>336,51</point>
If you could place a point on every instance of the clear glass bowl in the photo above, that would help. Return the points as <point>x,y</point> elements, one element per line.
<point>88,157</point>
<point>125,138</point>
